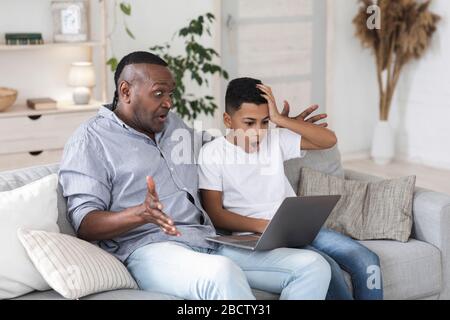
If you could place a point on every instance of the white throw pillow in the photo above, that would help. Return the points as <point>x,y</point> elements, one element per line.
<point>73,267</point>
<point>32,206</point>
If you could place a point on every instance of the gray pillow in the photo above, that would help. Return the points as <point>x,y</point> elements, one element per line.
<point>366,210</point>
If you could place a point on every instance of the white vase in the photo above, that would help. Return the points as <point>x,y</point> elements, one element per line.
<point>383,143</point>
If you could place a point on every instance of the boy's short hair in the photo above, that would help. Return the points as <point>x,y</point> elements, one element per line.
<point>242,90</point>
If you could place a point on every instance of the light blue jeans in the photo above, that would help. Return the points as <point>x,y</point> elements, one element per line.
<point>228,273</point>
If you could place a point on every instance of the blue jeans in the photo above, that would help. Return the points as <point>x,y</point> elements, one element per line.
<point>228,273</point>
<point>362,264</point>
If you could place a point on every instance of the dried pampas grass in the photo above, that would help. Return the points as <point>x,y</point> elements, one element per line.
<point>407,27</point>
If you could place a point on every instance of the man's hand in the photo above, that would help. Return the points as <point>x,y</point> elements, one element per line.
<point>152,211</point>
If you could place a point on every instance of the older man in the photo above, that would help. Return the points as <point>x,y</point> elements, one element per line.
<point>127,192</point>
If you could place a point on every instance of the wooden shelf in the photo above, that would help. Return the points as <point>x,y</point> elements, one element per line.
<point>63,107</point>
<point>4,47</point>
<point>31,137</point>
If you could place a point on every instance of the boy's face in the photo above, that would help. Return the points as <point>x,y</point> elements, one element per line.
<point>249,125</point>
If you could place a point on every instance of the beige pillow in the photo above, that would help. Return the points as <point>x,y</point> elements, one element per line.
<point>73,267</point>
<point>366,210</point>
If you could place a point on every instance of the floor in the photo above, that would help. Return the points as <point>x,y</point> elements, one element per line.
<point>426,177</point>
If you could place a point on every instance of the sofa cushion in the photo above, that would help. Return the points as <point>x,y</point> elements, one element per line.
<point>410,270</point>
<point>264,295</point>
<point>14,179</point>
<point>327,161</point>
<point>30,206</point>
<point>366,210</point>
<point>124,294</point>
<point>74,267</point>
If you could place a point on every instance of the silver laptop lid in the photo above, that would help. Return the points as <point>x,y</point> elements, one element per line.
<point>297,222</point>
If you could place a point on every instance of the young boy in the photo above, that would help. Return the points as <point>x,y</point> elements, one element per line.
<point>242,179</point>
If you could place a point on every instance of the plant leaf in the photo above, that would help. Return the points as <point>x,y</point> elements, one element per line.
<point>183,32</point>
<point>192,66</point>
<point>225,74</point>
<point>126,8</point>
<point>130,34</point>
<point>112,62</point>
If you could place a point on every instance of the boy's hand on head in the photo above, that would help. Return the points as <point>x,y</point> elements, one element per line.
<point>274,114</point>
<point>286,109</point>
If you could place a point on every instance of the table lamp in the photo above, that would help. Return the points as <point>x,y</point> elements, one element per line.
<point>82,77</point>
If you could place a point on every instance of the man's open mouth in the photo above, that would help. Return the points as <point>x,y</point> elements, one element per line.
<point>162,117</point>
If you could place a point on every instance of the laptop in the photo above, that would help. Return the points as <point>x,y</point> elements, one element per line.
<point>296,224</point>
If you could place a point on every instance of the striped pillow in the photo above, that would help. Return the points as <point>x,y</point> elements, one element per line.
<point>73,267</point>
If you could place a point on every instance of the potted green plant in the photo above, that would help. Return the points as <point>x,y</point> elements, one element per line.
<point>196,64</point>
<point>405,31</point>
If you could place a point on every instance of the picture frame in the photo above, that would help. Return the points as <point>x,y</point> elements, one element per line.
<point>70,21</point>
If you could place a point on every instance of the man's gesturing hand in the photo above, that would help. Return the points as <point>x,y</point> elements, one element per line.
<point>152,211</point>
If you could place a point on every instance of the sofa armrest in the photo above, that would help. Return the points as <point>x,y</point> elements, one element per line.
<point>431,212</point>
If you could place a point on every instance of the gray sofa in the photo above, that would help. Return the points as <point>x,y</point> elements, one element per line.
<point>418,269</point>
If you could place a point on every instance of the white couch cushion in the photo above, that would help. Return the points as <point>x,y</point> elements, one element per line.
<point>30,206</point>
<point>17,178</point>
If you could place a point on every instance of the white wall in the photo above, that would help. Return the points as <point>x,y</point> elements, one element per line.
<point>154,23</point>
<point>421,108</point>
<point>352,98</point>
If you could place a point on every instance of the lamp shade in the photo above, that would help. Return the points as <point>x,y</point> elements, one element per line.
<point>82,74</point>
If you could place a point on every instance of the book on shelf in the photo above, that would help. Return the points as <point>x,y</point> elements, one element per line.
<point>41,103</point>
<point>23,38</point>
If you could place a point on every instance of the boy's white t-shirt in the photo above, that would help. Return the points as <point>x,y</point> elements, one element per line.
<point>252,184</point>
